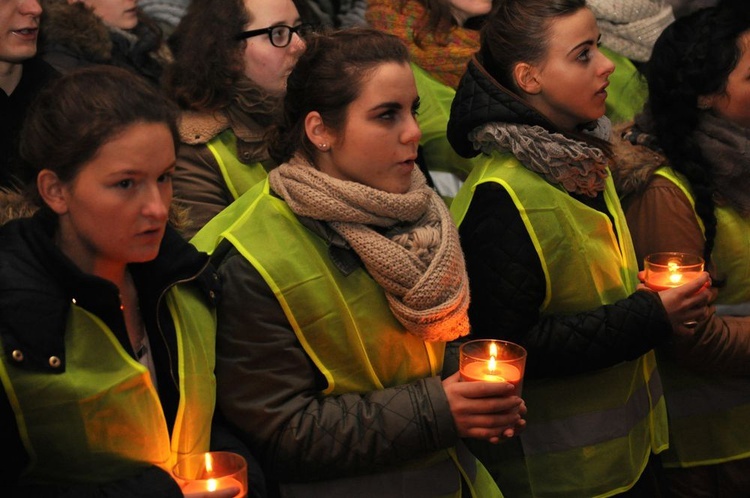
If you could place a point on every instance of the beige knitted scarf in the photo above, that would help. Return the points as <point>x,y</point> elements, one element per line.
<point>408,243</point>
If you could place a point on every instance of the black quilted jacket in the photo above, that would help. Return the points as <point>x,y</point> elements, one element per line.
<point>506,278</point>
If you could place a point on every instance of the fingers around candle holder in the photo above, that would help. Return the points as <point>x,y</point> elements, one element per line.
<point>493,360</point>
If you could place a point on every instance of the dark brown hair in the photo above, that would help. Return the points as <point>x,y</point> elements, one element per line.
<point>208,72</point>
<point>437,21</point>
<point>693,57</point>
<point>327,78</point>
<point>75,115</point>
<point>518,31</point>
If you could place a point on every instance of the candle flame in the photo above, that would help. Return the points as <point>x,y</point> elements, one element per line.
<point>209,463</point>
<point>675,274</point>
<point>493,349</point>
<point>212,485</point>
<point>492,363</point>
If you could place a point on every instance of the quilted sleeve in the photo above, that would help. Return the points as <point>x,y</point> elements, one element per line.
<point>270,390</point>
<point>508,288</point>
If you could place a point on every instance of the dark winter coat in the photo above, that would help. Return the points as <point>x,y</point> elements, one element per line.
<point>505,273</point>
<point>72,36</point>
<point>36,282</point>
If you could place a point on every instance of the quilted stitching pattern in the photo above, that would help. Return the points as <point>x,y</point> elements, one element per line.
<point>507,288</point>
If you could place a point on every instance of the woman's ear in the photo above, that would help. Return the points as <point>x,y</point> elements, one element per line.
<point>527,78</point>
<point>317,132</point>
<point>52,191</point>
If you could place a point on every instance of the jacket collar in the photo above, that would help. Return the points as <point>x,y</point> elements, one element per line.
<point>202,127</point>
<point>480,99</point>
<point>38,283</point>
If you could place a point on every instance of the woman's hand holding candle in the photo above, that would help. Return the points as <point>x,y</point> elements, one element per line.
<point>484,410</point>
<point>689,304</point>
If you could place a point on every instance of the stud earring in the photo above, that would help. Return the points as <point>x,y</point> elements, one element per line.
<point>323,147</point>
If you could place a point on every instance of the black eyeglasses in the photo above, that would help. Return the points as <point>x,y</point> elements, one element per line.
<point>281,35</point>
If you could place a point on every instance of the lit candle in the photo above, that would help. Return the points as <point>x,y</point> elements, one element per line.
<point>222,487</point>
<point>212,475</point>
<point>493,369</point>
<point>667,270</point>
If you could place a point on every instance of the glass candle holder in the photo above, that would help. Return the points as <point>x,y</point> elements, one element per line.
<point>665,270</point>
<point>214,474</point>
<point>493,360</point>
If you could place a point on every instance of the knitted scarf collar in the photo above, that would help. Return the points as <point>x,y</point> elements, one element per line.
<point>444,54</point>
<point>726,147</point>
<point>578,167</point>
<point>407,242</point>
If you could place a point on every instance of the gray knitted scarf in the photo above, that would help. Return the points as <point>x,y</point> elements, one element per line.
<point>408,243</point>
<point>580,168</point>
<point>727,147</point>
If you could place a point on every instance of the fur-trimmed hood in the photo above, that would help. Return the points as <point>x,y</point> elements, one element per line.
<point>15,204</point>
<point>76,27</point>
<point>633,165</point>
<point>198,128</point>
<point>73,36</point>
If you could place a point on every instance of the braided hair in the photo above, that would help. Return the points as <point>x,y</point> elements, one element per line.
<point>692,58</point>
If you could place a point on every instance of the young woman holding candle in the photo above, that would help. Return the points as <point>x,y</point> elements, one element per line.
<point>550,259</point>
<point>343,279</point>
<point>107,320</point>
<point>232,58</point>
<point>693,196</point>
<point>442,36</point>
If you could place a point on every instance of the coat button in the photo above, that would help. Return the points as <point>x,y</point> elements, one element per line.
<point>212,294</point>
<point>17,355</point>
<point>54,362</point>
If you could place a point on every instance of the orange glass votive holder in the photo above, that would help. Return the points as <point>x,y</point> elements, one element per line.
<point>665,270</point>
<point>215,474</point>
<point>493,360</point>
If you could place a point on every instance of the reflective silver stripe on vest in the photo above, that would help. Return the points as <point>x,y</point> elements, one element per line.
<point>723,395</point>
<point>577,431</point>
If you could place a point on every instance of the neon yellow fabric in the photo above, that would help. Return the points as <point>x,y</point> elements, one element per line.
<point>435,100</point>
<point>589,434</point>
<point>708,414</point>
<point>101,420</point>
<point>342,321</point>
<point>238,176</point>
<point>627,91</point>
<point>731,247</point>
